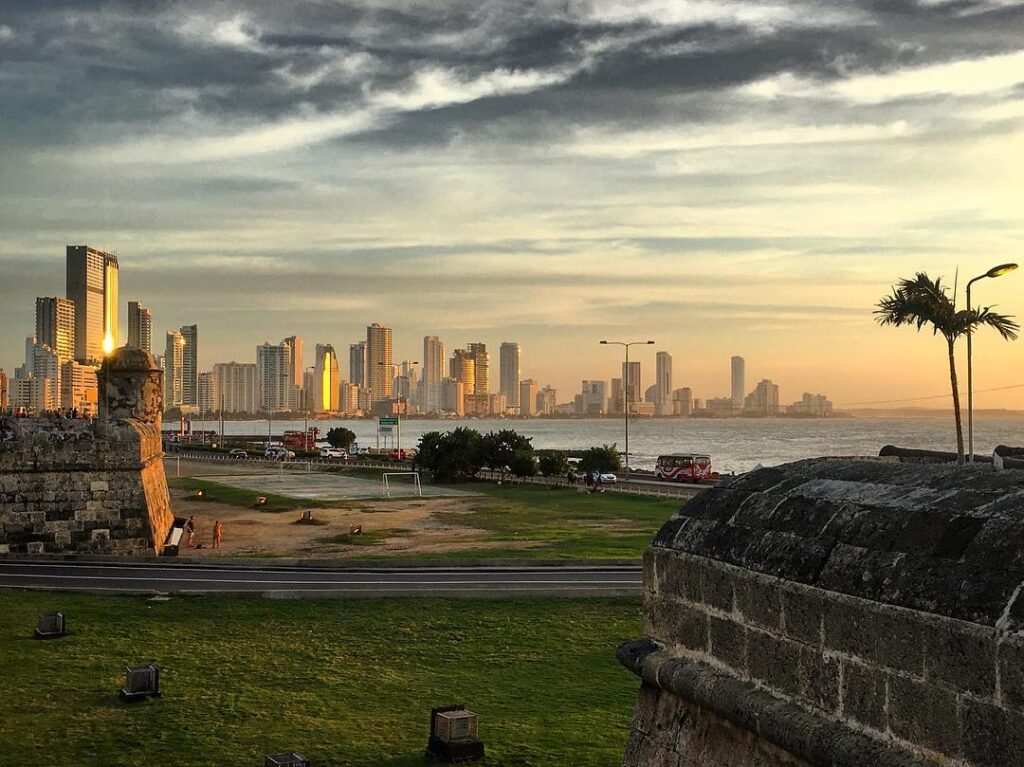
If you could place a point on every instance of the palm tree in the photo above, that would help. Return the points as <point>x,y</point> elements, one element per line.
<point>923,301</point>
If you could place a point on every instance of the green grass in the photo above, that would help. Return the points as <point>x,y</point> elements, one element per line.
<point>236,496</point>
<point>345,682</point>
<point>369,538</point>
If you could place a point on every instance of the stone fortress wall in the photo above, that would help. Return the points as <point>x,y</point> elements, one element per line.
<point>76,486</point>
<point>836,612</point>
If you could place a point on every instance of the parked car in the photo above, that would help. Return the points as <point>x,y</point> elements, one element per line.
<point>333,452</point>
<point>607,478</point>
<point>238,453</point>
<point>278,454</point>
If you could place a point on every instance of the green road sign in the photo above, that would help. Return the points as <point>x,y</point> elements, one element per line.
<point>388,421</point>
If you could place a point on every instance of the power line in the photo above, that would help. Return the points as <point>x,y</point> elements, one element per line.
<point>936,396</point>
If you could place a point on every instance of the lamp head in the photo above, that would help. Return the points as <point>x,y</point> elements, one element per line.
<point>999,271</point>
<point>650,342</point>
<point>604,342</point>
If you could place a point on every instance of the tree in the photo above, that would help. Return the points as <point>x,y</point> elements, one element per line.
<point>500,448</point>
<point>341,437</point>
<point>523,463</point>
<point>923,301</point>
<point>553,464</point>
<point>451,457</point>
<point>604,458</point>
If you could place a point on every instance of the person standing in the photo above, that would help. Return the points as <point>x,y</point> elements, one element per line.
<point>190,532</point>
<point>218,533</point>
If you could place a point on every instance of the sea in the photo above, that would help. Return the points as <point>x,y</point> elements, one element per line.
<point>734,444</point>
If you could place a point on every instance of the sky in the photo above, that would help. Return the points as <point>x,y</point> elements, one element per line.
<point>720,177</point>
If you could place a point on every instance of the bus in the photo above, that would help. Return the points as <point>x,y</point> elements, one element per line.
<point>683,467</point>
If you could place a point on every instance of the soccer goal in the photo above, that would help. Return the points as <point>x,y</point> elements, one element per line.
<point>386,485</point>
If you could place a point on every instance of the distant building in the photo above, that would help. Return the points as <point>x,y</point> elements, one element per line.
<point>497,404</point>
<point>79,388</point>
<point>357,364</point>
<point>43,365</point>
<point>378,361</point>
<point>616,400</point>
<point>477,405</point>
<point>55,326</point>
<point>433,373</point>
<point>190,366</point>
<point>453,396</point>
<point>274,371</point>
<point>509,373</point>
<point>5,391</point>
<point>237,387</point>
<point>720,406</point>
<point>481,368</point>
<point>92,284</point>
<point>326,381</point>
<point>174,361</point>
<point>738,381</point>
<point>462,367</point>
<point>140,327</point>
<point>592,398</point>
<point>547,399</point>
<point>816,405</point>
<point>663,383</point>
<point>349,402</point>
<point>298,368</point>
<point>631,383</point>
<point>682,401</point>
<point>528,397</point>
<point>764,400</point>
<point>208,396</point>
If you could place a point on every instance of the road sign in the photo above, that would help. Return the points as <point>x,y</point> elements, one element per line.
<point>388,421</point>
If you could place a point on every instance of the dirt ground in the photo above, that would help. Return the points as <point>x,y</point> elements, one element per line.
<point>408,526</point>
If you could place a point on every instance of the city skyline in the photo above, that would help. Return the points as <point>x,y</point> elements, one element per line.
<point>720,177</point>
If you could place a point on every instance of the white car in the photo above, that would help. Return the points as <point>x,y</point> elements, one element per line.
<point>333,452</point>
<point>278,454</point>
<point>606,478</point>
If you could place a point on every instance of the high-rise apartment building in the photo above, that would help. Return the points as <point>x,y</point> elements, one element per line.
<point>378,361</point>
<point>616,399</point>
<point>326,381</point>
<point>55,326</point>
<point>274,370</point>
<point>547,399</point>
<point>173,361</point>
<point>238,389</point>
<point>298,369</point>
<point>462,367</point>
<point>453,396</point>
<point>5,392</point>
<point>357,364</point>
<point>208,396</point>
<point>140,327</point>
<point>481,368</point>
<point>92,284</point>
<point>764,400</point>
<point>592,399</point>
<point>663,382</point>
<point>631,383</point>
<point>738,381</point>
<point>433,373</point>
<point>509,355</point>
<point>79,388</point>
<point>190,366</point>
<point>528,397</point>
<point>682,401</point>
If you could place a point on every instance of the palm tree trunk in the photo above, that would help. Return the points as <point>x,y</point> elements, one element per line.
<point>956,405</point>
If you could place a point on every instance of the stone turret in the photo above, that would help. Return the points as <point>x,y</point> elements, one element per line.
<point>131,386</point>
<point>836,613</point>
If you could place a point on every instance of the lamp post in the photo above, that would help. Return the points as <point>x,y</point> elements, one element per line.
<point>995,271</point>
<point>399,415</point>
<point>626,385</point>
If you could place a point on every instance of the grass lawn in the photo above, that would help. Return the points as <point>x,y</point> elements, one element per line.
<point>344,682</point>
<point>235,496</point>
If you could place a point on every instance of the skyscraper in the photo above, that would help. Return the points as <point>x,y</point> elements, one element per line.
<point>738,383</point>
<point>295,344</point>
<point>481,368</point>
<point>190,366</point>
<point>55,326</point>
<point>92,280</point>
<point>663,382</point>
<point>378,361</point>
<point>4,392</point>
<point>174,360</point>
<point>509,373</point>
<point>528,397</point>
<point>326,381</point>
<point>140,327</point>
<point>274,371</point>
<point>357,364</point>
<point>237,387</point>
<point>463,369</point>
<point>433,374</point>
<point>209,397</point>
<point>631,383</point>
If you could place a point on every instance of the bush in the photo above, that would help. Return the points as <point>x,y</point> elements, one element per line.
<point>553,464</point>
<point>500,449</point>
<point>341,437</point>
<point>523,463</point>
<point>453,456</point>
<point>604,458</point>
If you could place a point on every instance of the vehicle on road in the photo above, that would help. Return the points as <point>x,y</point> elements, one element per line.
<point>402,454</point>
<point>333,452</point>
<point>238,453</point>
<point>683,467</point>
<point>606,478</point>
<point>278,454</point>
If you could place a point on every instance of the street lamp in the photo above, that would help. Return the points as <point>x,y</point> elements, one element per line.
<point>626,384</point>
<point>399,415</point>
<point>995,271</point>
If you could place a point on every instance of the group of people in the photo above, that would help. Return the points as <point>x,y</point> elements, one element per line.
<point>23,412</point>
<point>190,533</point>
<point>592,479</point>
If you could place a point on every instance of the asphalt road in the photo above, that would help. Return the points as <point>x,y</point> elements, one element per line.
<point>453,582</point>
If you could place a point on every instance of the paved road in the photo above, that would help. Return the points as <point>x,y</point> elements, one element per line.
<point>526,581</point>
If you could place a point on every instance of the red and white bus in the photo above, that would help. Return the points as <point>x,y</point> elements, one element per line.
<point>683,467</point>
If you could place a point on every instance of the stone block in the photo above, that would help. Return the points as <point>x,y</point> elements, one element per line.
<point>94,506</point>
<point>774,661</point>
<point>672,622</point>
<point>717,585</point>
<point>878,634</point>
<point>34,547</point>
<point>1011,671</point>
<point>991,735</point>
<point>961,655</point>
<point>728,643</point>
<point>924,714</point>
<point>803,612</point>
<point>5,548</point>
<point>100,534</point>
<point>819,679</point>
<point>679,575</point>
<point>759,600</point>
<point>864,695</point>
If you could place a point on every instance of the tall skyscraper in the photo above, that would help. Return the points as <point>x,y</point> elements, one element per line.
<point>209,397</point>
<point>140,327</point>
<point>238,389</point>
<point>357,364</point>
<point>5,396</point>
<point>378,361</point>
<point>663,382</point>
<point>509,373</point>
<point>190,366</point>
<point>92,282</point>
<point>274,370</point>
<point>174,360</point>
<point>295,344</point>
<point>631,383</point>
<point>326,381</point>
<point>528,397</point>
<point>55,326</point>
<point>462,367</point>
<point>738,382</point>
<point>433,374</point>
<point>481,368</point>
